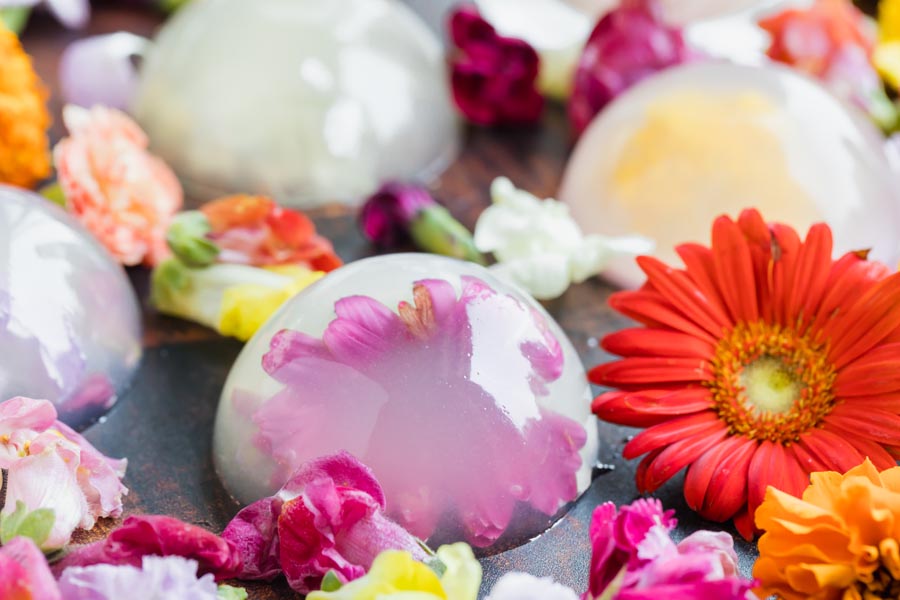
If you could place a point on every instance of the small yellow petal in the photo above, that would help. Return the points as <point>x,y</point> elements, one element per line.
<point>887,61</point>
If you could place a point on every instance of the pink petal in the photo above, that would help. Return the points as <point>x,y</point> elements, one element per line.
<point>24,572</point>
<point>25,413</point>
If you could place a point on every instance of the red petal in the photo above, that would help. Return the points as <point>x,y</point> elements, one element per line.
<point>643,409</point>
<point>702,472</point>
<point>871,319</point>
<point>642,371</point>
<point>876,372</point>
<point>698,262</point>
<point>651,309</point>
<point>727,490</point>
<point>832,450</point>
<point>734,270</point>
<point>705,423</point>
<point>760,241</point>
<point>870,449</point>
<point>641,471</point>
<point>811,273</point>
<point>808,462</point>
<point>671,459</point>
<point>868,423</point>
<point>640,341</point>
<point>774,465</point>
<point>850,276</point>
<point>684,295</point>
<point>785,246</point>
<point>743,522</point>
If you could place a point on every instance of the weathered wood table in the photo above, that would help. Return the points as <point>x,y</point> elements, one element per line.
<point>164,423</point>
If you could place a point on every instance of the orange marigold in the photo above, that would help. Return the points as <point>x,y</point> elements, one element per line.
<point>840,541</point>
<point>24,120</point>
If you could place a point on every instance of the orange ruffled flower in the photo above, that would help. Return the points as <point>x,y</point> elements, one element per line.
<point>124,195</point>
<point>839,541</point>
<point>762,361</point>
<point>24,120</point>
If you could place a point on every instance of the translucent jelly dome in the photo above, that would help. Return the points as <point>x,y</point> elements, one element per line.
<point>306,100</point>
<point>460,392</point>
<point>689,144</point>
<point>70,329</point>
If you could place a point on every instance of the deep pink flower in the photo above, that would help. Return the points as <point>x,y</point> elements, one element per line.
<point>157,535</point>
<point>636,539</point>
<point>494,78</point>
<point>387,215</point>
<point>24,574</point>
<point>51,466</point>
<point>630,43</point>
<point>328,517</point>
<point>416,397</point>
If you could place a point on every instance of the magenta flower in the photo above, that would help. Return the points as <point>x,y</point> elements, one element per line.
<point>415,395</point>
<point>399,213</point>
<point>328,517</point>
<point>494,78</point>
<point>51,466</point>
<point>156,535</point>
<point>628,44</point>
<point>158,577</point>
<point>24,574</point>
<point>632,552</point>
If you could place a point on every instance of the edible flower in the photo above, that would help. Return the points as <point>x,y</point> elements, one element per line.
<point>24,120</point>
<point>523,586</point>
<point>140,536</point>
<point>761,361</point>
<point>887,50</point>
<point>235,300</point>
<point>494,78</point>
<point>24,574</point>
<point>249,230</point>
<point>634,557</point>
<point>397,213</point>
<point>832,41</point>
<point>52,467</point>
<point>838,540</point>
<point>328,518</point>
<point>629,43</point>
<point>539,246</point>
<point>397,575</point>
<point>350,375</point>
<point>73,14</point>
<point>119,191</point>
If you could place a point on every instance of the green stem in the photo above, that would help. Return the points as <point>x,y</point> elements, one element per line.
<point>434,229</point>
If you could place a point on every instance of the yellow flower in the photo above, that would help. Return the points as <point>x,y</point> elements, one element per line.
<point>396,575</point>
<point>24,147</point>
<point>839,541</point>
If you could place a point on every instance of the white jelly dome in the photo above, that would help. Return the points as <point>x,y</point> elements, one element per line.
<point>308,100</point>
<point>691,143</point>
<point>70,325</point>
<point>459,391</point>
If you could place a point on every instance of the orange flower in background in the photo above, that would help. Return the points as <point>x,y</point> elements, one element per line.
<point>839,541</point>
<point>125,196</point>
<point>760,362</point>
<point>24,120</point>
<point>255,230</point>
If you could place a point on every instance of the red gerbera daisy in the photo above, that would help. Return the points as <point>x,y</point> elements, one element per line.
<point>760,362</point>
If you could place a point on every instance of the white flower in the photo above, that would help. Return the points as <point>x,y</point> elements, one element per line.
<point>522,586</point>
<point>539,246</point>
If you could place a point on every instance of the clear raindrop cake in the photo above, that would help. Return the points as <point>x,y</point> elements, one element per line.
<point>694,142</point>
<point>310,101</point>
<point>70,327</point>
<point>459,391</point>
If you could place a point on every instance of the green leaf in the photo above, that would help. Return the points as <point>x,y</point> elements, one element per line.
<point>331,582</point>
<point>187,239</point>
<point>54,193</point>
<point>15,18</point>
<point>227,592</point>
<point>21,523</point>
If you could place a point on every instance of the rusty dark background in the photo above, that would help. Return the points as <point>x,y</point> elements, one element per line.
<point>163,423</point>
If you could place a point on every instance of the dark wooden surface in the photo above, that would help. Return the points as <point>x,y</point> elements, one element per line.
<point>163,424</point>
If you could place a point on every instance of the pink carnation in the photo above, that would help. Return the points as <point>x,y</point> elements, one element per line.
<point>157,535</point>
<point>328,517</point>
<point>24,574</point>
<point>123,195</point>
<point>51,466</point>
<point>628,44</point>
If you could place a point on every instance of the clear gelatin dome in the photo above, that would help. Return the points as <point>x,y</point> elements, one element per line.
<point>70,327</point>
<point>694,142</point>
<point>459,391</point>
<point>311,101</point>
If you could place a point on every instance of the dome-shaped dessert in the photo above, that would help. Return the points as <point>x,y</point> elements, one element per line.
<point>70,328</point>
<point>691,143</point>
<point>460,392</point>
<point>306,100</point>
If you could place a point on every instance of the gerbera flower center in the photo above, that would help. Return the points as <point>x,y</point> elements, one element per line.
<point>770,382</point>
